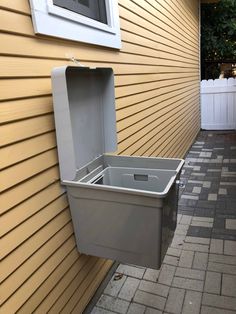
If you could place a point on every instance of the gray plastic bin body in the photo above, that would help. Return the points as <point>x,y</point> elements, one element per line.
<point>123,208</point>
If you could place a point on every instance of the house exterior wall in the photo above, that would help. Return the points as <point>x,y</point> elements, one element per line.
<point>157,101</point>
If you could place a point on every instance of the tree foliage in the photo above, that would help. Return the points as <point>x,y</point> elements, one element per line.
<point>218,31</point>
<point>218,36</point>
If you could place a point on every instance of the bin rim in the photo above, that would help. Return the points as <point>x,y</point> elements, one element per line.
<point>110,188</point>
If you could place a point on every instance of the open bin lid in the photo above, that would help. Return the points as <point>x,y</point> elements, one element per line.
<point>85,118</point>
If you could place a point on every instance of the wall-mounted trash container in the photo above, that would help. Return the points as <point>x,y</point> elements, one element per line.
<point>123,208</point>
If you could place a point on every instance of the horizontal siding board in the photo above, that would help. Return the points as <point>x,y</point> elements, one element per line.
<point>23,252</point>
<point>7,25</point>
<point>144,134</point>
<point>24,87</point>
<point>154,143</point>
<point>23,7</point>
<point>190,27</point>
<point>174,126</point>
<point>158,147</point>
<point>157,137</point>
<point>25,108</point>
<point>124,91</point>
<point>163,55</point>
<point>156,50</point>
<point>13,110</point>
<point>177,146</point>
<point>91,288</point>
<point>123,80</point>
<point>171,135</point>
<point>191,17</point>
<point>19,193</point>
<point>98,56</point>
<point>31,265</point>
<point>181,128</point>
<point>82,288</point>
<point>31,67</point>
<point>19,6</point>
<point>163,92</point>
<point>167,20</point>
<point>23,46</point>
<point>148,22</point>
<point>29,207</point>
<point>166,123</point>
<point>84,262</point>
<point>33,282</point>
<point>156,21</point>
<point>131,100</point>
<point>15,45</point>
<point>191,137</point>
<point>162,85</point>
<point>27,169</point>
<point>157,102</point>
<point>191,8</point>
<point>41,67</point>
<point>180,148</point>
<point>45,48</point>
<point>177,11</point>
<point>23,231</point>
<point>181,12</point>
<point>55,282</point>
<point>161,16</point>
<point>144,108</point>
<point>130,124</point>
<point>68,290</point>
<point>181,21</point>
<point>156,38</point>
<point>20,130</point>
<point>19,109</point>
<point>17,152</point>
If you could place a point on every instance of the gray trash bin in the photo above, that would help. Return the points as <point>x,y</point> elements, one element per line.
<point>123,208</point>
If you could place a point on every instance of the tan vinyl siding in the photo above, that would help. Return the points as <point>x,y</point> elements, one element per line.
<point>157,102</point>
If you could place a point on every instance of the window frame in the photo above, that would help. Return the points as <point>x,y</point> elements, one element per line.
<point>51,20</point>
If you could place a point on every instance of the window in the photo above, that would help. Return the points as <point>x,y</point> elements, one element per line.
<point>94,9</point>
<point>90,21</point>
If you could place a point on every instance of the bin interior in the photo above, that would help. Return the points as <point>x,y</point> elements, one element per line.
<point>135,178</point>
<point>143,174</point>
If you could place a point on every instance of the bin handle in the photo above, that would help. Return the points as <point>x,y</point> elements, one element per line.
<point>141,177</point>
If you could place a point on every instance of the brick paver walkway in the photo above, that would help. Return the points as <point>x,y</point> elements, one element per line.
<point>199,271</point>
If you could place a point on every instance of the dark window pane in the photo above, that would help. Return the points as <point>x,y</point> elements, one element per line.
<point>94,9</point>
<point>84,2</point>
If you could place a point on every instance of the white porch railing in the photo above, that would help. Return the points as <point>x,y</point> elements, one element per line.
<point>218,104</point>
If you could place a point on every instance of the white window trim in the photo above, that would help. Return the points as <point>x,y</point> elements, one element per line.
<point>51,20</point>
